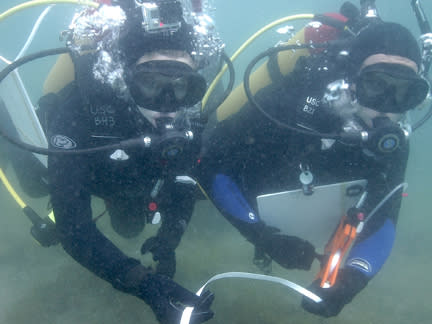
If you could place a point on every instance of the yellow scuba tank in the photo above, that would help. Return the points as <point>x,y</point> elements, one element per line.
<point>60,75</point>
<point>261,78</point>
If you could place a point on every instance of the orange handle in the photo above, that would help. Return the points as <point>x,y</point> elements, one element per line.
<point>337,247</point>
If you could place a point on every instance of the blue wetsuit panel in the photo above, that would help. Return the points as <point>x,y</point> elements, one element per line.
<point>369,255</point>
<point>227,196</point>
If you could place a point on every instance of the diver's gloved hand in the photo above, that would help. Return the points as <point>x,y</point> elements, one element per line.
<point>164,255</point>
<point>290,252</point>
<point>166,298</point>
<point>348,283</point>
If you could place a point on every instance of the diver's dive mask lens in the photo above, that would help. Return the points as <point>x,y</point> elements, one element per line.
<point>166,85</point>
<point>152,85</point>
<point>390,88</point>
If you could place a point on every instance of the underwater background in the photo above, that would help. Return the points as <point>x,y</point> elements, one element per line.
<point>44,285</point>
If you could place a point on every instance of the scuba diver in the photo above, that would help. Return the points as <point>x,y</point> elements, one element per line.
<point>329,114</point>
<point>134,85</point>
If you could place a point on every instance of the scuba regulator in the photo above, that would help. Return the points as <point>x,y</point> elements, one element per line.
<point>385,135</point>
<point>169,140</point>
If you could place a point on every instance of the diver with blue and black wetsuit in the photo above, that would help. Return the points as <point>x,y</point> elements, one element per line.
<point>327,116</point>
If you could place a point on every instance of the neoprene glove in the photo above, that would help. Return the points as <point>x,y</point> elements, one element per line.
<point>288,251</point>
<point>164,255</point>
<point>348,283</point>
<point>166,298</point>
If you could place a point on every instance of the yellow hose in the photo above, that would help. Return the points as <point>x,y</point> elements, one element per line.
<point>51,216</point>
<point>11,190</point>
<point>15,195</point>
<point>35,3</point>
<point>245,45</point>
<point>203,191</point>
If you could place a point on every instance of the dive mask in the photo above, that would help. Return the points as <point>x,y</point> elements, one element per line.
<point>390,88</point>
<point>166,85</point>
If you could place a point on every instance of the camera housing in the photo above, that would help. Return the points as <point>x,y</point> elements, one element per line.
<point>161,16</point>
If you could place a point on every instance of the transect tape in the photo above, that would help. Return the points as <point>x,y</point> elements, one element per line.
<point>253,276</point>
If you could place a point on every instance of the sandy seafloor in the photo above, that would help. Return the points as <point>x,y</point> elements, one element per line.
<point>44,285</point>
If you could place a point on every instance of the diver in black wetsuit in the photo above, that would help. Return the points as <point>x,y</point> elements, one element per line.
<point>152,100</point>
<point>337,115</point>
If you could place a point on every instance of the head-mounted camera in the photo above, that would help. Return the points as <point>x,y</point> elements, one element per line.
<point>161,16</point>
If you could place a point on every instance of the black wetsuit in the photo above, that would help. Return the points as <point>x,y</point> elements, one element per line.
<point>125,185</point>
<point>248,155</point>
